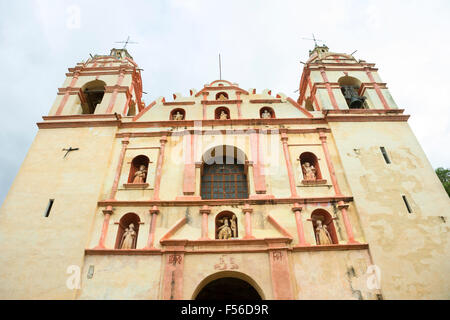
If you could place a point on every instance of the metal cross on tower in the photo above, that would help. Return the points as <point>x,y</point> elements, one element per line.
<point>126,42</point>
<point>313,39</point>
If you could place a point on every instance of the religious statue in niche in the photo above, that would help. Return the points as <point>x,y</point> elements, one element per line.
<point>309,172</point>
<point>178,116</point>
<point>225,231</point>
<point>323,237</point>
<point>139,176</point>
<point>128,237</point>
<point>222,97</point>
<point>266,114</point>
<point>223,115</point>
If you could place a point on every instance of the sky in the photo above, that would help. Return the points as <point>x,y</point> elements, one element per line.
<point>260,43</point>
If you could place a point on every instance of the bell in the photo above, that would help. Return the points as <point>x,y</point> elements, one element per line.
<point>357,102</point>
<point>347,91</point>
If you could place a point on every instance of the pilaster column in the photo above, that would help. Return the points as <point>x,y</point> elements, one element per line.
<point>198,179</point>
<point>258,174</point>
<point>127,103</point>
<point>297,209</point>
<point>248,221</point>
<point>159,168</point>
<point>330,91</point>
<point>189,166</point>
<point>114,94</point>
<point>154,211</point>
<point>107,215</point>
<point>323,138</point>
<point>251,181</point>
<point>205,95</point>
<point>189,178</point>
<point>377,88</point>
<point>238,97</point>
<point>173,274</point>
<point>205,211</point>
<point>348,227</point>
<point>66,95</point>
<point>281,276</point>
<point>312,91</point>
<point>287,157</point>
<point>125,143</point>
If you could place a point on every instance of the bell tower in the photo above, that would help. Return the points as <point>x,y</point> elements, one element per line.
<point>338,81</point>
<point>104,84</point>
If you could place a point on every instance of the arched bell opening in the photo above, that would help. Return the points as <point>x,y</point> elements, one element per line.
<point>91,95</point>
<point>309,105</point>
<point>131,109</point>
<point>350,88</point>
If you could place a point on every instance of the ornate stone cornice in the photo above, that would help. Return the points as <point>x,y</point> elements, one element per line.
<point>222,202</point>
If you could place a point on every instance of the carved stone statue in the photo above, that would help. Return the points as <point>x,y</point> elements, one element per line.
<point>223,115</point>
<point>309,172</point>
<point>323,237</point>
<point>178,116</point>
<point>266,114</point>
<point>225,231</point>
<point>234,226</point>
<point>139,176</point>
<point>128,237</point>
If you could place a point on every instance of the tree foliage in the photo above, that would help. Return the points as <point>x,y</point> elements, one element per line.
<point>444,176</point>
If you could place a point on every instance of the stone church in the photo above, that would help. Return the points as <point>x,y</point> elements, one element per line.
<point>225,192</point>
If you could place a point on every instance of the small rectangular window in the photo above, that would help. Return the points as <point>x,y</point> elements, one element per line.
<point>49,207</point>
<point>407,204</point>
<point>90,273</point>
<point>385,155</point>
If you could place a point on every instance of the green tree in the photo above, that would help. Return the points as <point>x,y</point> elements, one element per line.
<point>444,176</point>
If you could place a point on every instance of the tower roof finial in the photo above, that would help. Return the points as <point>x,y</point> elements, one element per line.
<point>317,48</point>
<point>313,39</point>
<point>126,42</point>
<point>122,53</point>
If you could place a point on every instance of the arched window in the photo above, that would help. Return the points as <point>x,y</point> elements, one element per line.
<point>350,89</point>
<point>323,225</point>
<point>309,105</point>
<point>177,114</point>
<point>222,113</point>
<point>310,167</point>
<point>222,96</point>
<point>266,113</point>
<point>128,231</point>
<point>138,170</point>
<point>226,225</point>
<point>92,95</point>
<point>224,174</point>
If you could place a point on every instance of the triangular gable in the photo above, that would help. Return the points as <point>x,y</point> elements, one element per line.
<point>176,229</point>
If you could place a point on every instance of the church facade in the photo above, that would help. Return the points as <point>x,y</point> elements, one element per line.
<point>225,193</point>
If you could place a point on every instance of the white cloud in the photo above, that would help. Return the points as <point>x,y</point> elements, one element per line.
<point>260,43</point>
